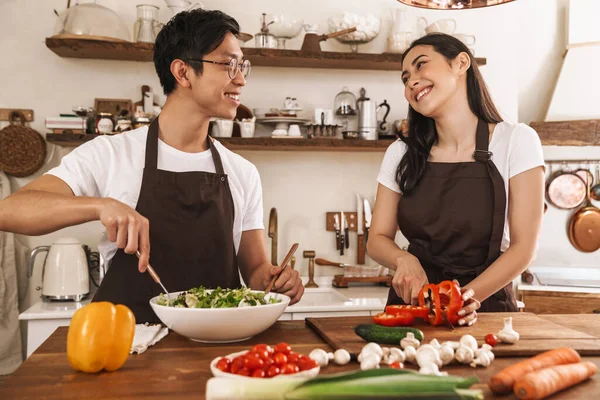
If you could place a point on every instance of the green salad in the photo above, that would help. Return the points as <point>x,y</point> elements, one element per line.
<point>201,297</point>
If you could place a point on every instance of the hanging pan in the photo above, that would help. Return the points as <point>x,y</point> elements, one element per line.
<point>584,227</point>
<point>565,190</point>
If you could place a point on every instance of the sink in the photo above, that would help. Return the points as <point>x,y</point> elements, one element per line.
<point>320,297</point>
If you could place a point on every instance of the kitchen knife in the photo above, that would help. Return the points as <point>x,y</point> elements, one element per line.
<point>336,225</point>
<point>360,230</point>
<point>368,217</point>
<point>359,215</point>
<point>343,238</point>
<point>346,232</point>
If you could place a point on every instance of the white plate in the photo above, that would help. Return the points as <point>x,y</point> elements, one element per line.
<point>309,373</point>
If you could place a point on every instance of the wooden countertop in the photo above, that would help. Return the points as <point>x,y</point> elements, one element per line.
<point>178,368</point>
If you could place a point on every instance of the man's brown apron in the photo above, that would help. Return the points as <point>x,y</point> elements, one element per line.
<point>454,222</point>
<point>191,234</point>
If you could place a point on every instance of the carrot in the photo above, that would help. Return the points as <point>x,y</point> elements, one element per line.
<point>504,380</point>
<point>545,382</point>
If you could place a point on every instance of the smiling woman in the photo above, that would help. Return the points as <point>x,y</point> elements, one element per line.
<point>465,187</point>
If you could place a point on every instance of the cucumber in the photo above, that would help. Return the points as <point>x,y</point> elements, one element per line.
<point>385,334</point>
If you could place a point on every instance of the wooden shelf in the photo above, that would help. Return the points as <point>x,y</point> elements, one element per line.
<point>128,51</point>
<point>258,143</point>
<point>568,133</point>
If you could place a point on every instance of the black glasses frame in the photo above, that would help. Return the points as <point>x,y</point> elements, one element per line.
<point>233,64</point>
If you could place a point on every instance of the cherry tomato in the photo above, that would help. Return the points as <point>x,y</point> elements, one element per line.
<point>253,362</point>
<point>293,357</point>
<point>283,347</point>
<point>268,362</point>
<point>244,371</point>
<point>258,373</point>
<point>289,369</point>
<point>306,364</point>
<point>261,353</point>
<point>224,364</point>
<point>237,364</point>
<point>261,347</point>
<point>280,359</point>
<point>491,339</point>
<point>273,370</point>
<point>397,365</point>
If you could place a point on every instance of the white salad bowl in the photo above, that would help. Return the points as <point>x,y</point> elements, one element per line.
<point>309,373</point>
<point>221,325</point>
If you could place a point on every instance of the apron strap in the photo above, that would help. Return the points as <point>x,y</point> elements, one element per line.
<point>482,154</point>
<point>151,161</point>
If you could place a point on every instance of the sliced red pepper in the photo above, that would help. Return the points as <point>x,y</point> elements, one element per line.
<point>416,311</point>
<point>429,297</point>
<point>393,319</point>
<point>451,300</point>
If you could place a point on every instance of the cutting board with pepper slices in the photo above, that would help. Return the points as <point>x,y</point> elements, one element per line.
<point>537,334</point>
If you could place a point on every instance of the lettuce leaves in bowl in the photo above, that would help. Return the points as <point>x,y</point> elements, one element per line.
<point>201,297</point>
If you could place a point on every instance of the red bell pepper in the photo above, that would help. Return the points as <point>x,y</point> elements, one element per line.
<point>393,319</point>
<point>416,311</point>
<point>443,300</point>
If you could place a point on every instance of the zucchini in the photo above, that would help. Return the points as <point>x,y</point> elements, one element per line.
<point>385,334</point>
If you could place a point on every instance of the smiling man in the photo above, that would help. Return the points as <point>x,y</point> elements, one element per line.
<point>168,185</point>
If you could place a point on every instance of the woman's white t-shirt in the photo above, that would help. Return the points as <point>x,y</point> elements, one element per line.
<point>112,166</point>
<point>516,149</point>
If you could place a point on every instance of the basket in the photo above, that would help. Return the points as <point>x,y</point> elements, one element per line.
<point>22,149</point>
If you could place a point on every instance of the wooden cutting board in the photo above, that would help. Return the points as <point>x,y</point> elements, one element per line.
<point>537,334</point>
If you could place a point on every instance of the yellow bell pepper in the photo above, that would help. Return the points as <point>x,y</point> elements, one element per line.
<point>100,337</point>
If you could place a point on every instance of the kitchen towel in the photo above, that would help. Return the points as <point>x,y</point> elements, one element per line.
<point>146,336</point>
<point>10,334</point>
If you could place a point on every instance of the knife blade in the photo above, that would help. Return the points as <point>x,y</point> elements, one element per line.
<point>346,232</point>
<point>448,322</point>
<point>336,225</point>
<point>343,238</point>
<point>359,215</point>
<point>368,217</point>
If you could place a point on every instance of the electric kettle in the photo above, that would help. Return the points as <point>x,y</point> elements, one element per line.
<point>65,274</point>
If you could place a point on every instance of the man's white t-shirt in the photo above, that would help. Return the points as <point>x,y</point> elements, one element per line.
<point>516,149</point>
<point>112,166</point>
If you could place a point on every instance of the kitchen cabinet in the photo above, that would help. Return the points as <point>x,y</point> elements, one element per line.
<point>549,302</point>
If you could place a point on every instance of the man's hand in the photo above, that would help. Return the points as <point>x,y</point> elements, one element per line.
<point>128,228</point>
<point>289,283</point>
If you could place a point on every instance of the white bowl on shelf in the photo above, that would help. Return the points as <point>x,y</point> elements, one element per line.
<point>221,325</point>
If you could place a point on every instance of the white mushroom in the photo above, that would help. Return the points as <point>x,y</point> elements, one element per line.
<point>410,353</point>
<point>469,341</point>
<point>464,355</point>
<point>446,354</point>
<point>410,340</point>
<point>371,361</point>
<point>320,356</point>
<point>435,344</point>
<point>485,348</point>
<point>484,358</point>
<point>396,355</point>
<point>432,369</point>
<point>386,352</point>
<point>508,334</point>
<point>454,345</point>
<point>341,357</point>
<point>427,354</point>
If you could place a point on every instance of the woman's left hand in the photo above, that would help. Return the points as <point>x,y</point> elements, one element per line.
<point>470,307</point>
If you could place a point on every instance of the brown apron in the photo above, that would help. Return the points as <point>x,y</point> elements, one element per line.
<point>454,222</point>
<point>191,233</point>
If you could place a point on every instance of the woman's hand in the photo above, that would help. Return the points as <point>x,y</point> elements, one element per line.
<point>470,307</point>
<point>409,278</point>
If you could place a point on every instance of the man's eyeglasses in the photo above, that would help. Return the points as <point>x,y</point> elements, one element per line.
<point>233,66</point>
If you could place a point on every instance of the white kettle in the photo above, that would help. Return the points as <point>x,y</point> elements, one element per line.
<point>65,274</point>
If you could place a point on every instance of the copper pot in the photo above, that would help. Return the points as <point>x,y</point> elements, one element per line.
<point>584,227</point>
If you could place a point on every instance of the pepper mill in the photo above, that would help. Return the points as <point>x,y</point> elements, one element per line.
<point>310,254</point>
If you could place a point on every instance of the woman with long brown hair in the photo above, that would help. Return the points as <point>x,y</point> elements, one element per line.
<point>465,187</point>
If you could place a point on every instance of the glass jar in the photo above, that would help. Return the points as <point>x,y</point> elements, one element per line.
<point>345,103</point>
<point>104,123</point>
<point>146,26</point>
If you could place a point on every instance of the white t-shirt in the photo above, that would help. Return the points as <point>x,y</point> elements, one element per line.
<point>515,148</point>
<point>112,166</point>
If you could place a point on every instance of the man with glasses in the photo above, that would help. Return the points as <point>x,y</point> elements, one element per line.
<point>168,185</point>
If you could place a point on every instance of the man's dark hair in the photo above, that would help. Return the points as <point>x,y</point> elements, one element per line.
<point>189,34</point>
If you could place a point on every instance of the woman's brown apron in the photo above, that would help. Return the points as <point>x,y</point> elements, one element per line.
<point>454,222</point>
<point>191,234</point>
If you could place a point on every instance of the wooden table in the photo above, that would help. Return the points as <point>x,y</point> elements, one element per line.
<point>178,368</point>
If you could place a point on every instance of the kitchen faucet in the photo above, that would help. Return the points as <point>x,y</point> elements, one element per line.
<point>272,232</point>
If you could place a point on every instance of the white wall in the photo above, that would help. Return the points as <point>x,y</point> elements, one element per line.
<point>521,41</point>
